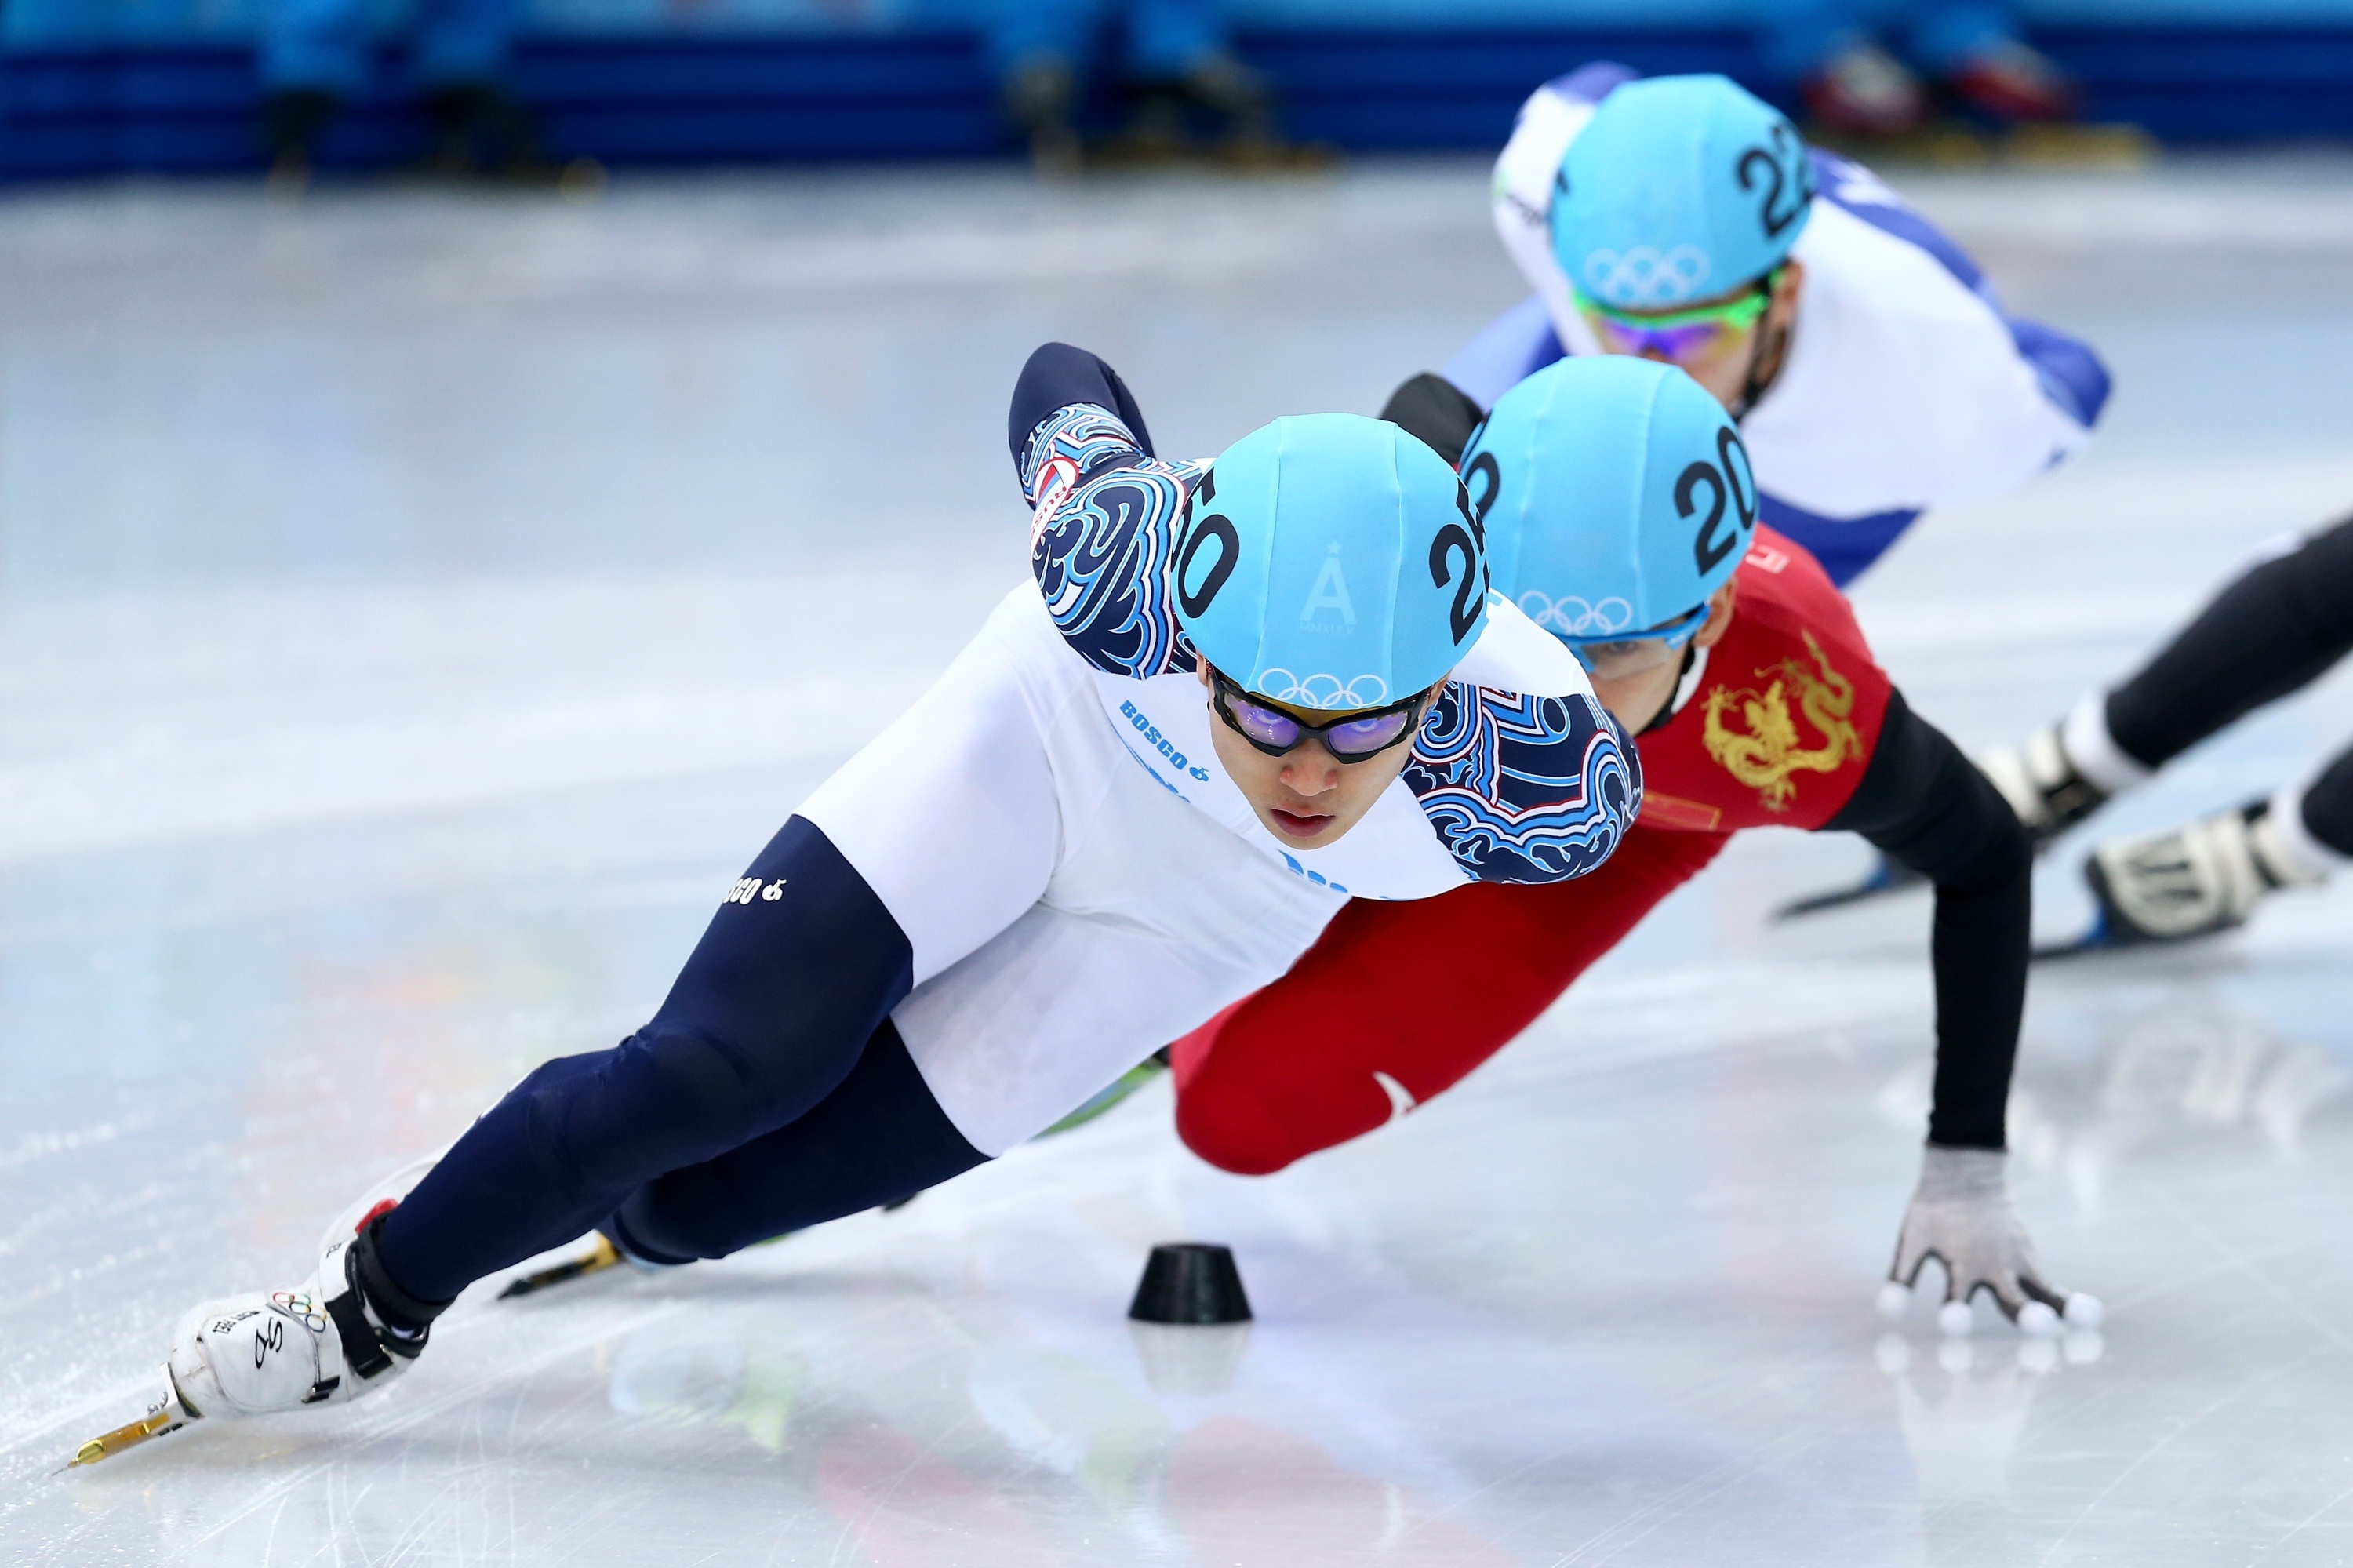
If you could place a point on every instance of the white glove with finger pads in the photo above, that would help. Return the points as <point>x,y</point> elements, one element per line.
<point>1960,1215</point>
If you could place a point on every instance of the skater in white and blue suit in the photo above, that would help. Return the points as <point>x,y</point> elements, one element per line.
<point>1234,696</point>
<point>1873,372</point>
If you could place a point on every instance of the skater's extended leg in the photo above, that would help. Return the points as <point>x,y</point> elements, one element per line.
<point>2281,625</point>
<point>879,1136</point>
<point>2278,627</point>
<point>1354,1035</point>
<point>931,839</point>
<point>768,1016</point>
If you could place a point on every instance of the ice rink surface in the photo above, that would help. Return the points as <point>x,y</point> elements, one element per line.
<point>418,608</point>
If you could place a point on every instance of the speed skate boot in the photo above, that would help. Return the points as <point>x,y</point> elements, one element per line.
<point>2042,785</point>
<point>345,1331</point>
<point>2195,880</point>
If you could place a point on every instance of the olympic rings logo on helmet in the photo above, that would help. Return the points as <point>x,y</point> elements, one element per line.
<point>1570,616</point>
<point>1320,691</point>
<point>1644,276</point>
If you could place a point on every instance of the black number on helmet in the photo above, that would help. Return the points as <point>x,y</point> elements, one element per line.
<point>1770,164</point>
<point>1453,540</point>
<point>1735,459</point>
<point>1195,601</point>
<point>1484,471</point>
<point>1707,549</point>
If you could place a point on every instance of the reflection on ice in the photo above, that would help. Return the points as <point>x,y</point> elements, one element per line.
<point>1185,1358</point>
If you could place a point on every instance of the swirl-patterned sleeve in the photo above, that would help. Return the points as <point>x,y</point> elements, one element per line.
<point>1523,788</point>
<point>1105,521</point>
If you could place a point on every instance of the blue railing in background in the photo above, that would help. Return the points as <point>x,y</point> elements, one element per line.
<point>922,92</point>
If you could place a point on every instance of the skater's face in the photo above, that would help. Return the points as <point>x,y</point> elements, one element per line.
<point>1307,798</point>
<point>1636,699</point>
<point>1717,342</point>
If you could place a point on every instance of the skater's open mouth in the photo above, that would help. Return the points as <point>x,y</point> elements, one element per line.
<point>1300,824</point>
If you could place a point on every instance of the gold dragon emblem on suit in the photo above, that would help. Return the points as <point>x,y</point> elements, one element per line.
<point>1765,752</point>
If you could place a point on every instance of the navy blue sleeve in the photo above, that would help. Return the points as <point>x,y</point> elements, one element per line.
<point>1524,789</point>
<point>1057,377</point>
<point>1106,513</point>
<point>2070,373</point>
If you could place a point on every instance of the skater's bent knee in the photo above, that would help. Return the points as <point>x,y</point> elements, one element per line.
<point>666,1098</point>
<point>1236,1132</point>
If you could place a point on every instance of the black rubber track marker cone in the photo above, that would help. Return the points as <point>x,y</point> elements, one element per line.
<point>1190,1282</point>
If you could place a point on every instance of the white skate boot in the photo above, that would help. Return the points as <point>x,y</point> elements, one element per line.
<point>2204,877</point>
<point>2043,784</point>
<point>323,1342</point>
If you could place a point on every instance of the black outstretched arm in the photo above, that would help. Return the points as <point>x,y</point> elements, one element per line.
<point>1926,806</point>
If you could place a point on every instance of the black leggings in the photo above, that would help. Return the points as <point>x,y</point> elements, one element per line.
<point>2274,630</point>
<point>769,1093</point>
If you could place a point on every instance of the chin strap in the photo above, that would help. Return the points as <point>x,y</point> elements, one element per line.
<point>1766,354</point>
<point>1686,684</point>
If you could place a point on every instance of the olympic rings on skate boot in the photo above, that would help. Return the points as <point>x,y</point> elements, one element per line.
<point>344,1331</point>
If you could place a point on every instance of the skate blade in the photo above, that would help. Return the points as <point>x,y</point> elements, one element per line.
<point>167,1414</point>
<point>595,1260</point>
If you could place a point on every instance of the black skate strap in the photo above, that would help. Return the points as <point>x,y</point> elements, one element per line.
<point>363,1353</point>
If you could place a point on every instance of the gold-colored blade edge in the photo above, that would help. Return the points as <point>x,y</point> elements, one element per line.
<point>167,1414</point>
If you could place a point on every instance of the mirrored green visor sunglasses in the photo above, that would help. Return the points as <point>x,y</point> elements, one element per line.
<point>1678,335</point>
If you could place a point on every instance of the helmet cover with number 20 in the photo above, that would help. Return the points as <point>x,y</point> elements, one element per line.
<point>1680,189</point>
<point>1616,495</point>
<point>1330,561</point>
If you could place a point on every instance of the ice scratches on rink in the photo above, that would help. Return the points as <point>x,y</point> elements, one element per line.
<point>414,610</point>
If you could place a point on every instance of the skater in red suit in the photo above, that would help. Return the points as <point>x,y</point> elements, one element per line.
<point>1724,647</point>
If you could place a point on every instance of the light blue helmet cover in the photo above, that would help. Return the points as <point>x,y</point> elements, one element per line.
<point>1616,495</point>
<point>1330,561</point>
<point>1679,188</point>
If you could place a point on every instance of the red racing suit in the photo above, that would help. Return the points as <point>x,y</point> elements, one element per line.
<point>1779,731</point>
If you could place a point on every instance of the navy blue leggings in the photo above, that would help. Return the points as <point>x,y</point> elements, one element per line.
<point>770,1092</point>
